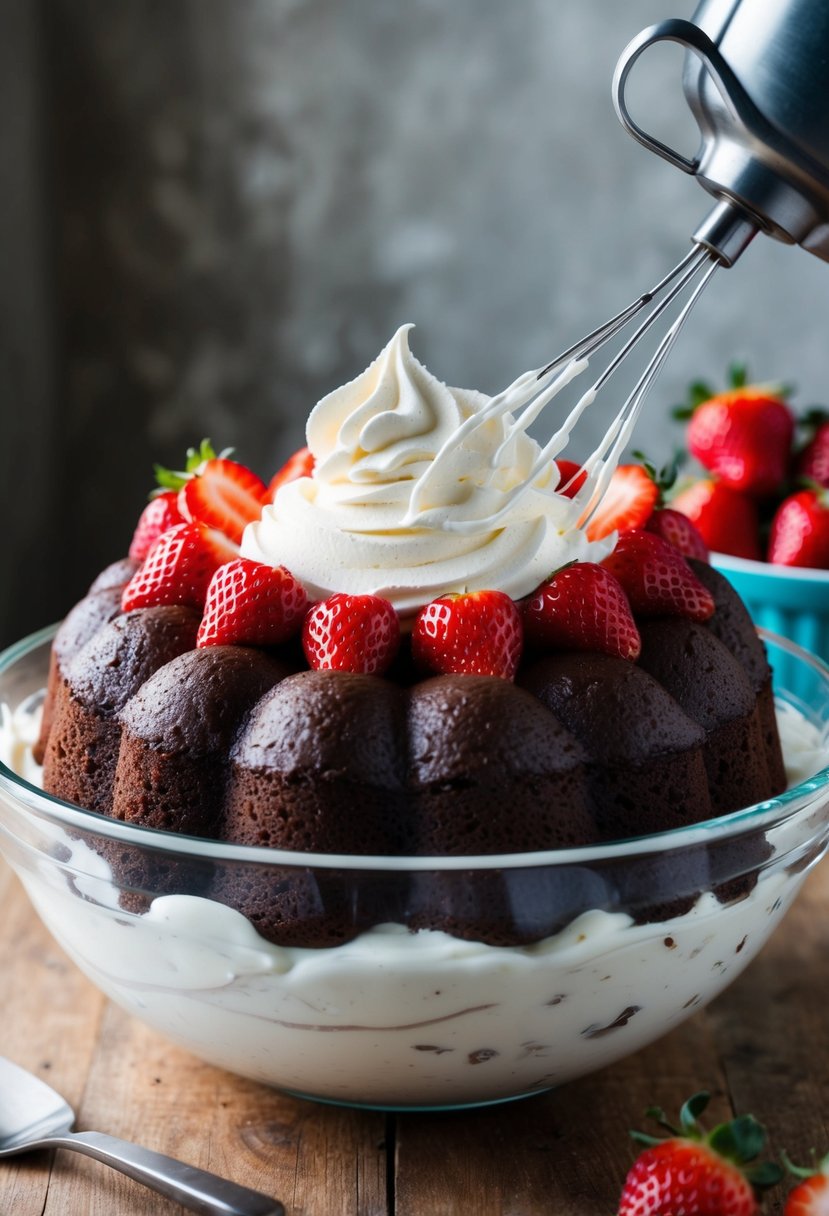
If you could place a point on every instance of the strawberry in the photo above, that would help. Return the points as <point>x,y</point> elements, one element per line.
<point>215,490</point>
<point>657,579</point>
<point>800,530</point>
<point>301,464</point>
<point>479,633</point>
<point>581,607</point>
<point>742,436</point>
<point>571,478</point>
<point>627,503</point>
<point>250,604</point>
<point>811,1196</point>
<point>359,633</point>
<point>678,529</point>
<point>225,495</point>
<point>160,513</point>
<point>178,568</point>
<point>727,520</point>
<point>813,461</point>
<point>697,1174</point>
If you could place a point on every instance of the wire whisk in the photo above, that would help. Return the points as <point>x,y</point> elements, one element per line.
<point>526,398</point>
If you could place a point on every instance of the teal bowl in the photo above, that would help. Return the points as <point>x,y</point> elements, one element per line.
<point>791,602</point>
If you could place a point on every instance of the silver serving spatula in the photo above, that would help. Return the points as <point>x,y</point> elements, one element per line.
<point>33,1116</point>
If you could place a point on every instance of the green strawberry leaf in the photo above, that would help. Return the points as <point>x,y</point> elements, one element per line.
<point>691,1111</point>
<point>737,375</point>
<point>174,479</point>
<point>764,1175</point>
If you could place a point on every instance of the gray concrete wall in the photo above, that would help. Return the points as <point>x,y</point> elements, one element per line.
<point>216,210</point>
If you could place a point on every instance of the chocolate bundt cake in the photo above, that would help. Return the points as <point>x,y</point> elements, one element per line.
<point>240,744</point>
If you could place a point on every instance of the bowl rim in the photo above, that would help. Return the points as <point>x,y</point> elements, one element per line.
<point>748,566</point>
<point>65,814</point>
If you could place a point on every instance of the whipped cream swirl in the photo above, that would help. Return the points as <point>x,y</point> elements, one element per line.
<point>351,526</point>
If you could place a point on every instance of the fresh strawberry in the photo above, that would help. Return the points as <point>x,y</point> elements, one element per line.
<point>727,520</point>
<point>223,495</point>
<point>697,1174</point>
<point>813,461</point>
<point>215,490</point>
<point>678,529</point>
<point>160,513</point>
<point>250,604</point>
<point>811,1196</point>
<point>657,579</point>
<point>301,464</point>
<point>627,503</point>
<point>359,633</point>
<point>582,607</point>
<point>742,436</point>
<point>178,568</point>
<point>800,530</point>
<point>571,477</point>
<point>479,633</point>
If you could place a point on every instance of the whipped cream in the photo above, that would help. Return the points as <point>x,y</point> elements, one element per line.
<point>420,490</point>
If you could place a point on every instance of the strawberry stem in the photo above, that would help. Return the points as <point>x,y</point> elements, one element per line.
<point>174,479</point>
<point>801,1171</point>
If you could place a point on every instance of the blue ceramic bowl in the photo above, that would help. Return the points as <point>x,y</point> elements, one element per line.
<point>788,601</point>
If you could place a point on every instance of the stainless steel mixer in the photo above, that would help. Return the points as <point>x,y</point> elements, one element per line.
<point>756,79</point>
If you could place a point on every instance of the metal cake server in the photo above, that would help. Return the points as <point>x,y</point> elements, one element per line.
<point>33,1116</point>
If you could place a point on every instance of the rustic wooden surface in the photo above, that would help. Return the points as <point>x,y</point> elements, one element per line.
<point>763,1046</point>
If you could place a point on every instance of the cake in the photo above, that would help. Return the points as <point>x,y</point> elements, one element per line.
<point>153,719</point>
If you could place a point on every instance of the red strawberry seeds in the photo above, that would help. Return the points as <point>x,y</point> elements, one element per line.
<point>251,604</point>
<point>160,514</point>
<point>697,1174</point>
<point>479,633</point>
<point>178,568</point>
<point>657,579</point>
<point>358,633</point>
<point>582,607</point>
<point>679,531</point>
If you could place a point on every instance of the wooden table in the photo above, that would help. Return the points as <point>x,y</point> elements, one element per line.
<point>763,1046</point>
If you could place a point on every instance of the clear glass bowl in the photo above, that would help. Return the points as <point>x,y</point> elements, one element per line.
<point>620,942</point>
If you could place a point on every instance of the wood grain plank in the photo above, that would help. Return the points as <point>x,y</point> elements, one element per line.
<point>317,1160</point>
<point>774,1033</point>
<point>49,1016</point>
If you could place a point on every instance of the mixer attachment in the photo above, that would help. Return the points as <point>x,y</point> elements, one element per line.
<point>521,404</point>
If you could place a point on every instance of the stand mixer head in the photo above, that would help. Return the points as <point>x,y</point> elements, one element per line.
<point>757,82</point>
<point>756,79</point>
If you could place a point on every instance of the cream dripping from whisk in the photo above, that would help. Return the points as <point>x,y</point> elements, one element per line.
<point>417,492</point>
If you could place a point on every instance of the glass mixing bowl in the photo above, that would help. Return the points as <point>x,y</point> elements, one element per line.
<point>619,942</point>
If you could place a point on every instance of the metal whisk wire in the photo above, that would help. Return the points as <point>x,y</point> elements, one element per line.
<point>525,399</point>
<point>701,265</point>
